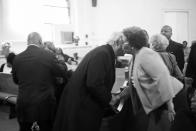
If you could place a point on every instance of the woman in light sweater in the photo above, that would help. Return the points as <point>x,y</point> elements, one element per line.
<point>150,86</point>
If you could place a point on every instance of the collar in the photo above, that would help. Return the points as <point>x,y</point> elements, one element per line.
<point>109,47</point>
<point>33,45</point>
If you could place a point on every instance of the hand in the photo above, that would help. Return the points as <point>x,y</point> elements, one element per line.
<point>171,111</point>
<point>115,99</point>
<point>188,82</point>
<point>171,115</point>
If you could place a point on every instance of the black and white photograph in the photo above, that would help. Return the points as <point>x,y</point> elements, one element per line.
<point>97,65</point>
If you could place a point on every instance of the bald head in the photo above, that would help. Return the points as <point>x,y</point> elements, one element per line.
<point>166,30</point>
<point>34,38</point>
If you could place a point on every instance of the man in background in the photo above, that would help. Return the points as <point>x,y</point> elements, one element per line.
<point>34,70</point>
<point>174,47</point>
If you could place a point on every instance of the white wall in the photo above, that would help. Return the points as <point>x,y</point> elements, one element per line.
<point>114,15</point>
<point>98,22</point>
<point>19,18</point>
<point>1,17</point>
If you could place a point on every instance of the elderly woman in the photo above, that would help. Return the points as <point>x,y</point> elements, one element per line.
<point>151,90</point>
<point>159,43</point>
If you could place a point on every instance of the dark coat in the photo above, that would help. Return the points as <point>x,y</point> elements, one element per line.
<point>88,92</point>
<point>34,70</point>
<point>191,67</point>
<point>177,49</point>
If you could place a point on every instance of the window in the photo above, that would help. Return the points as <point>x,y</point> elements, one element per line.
<point>67,37</point>
<point>56,11</point>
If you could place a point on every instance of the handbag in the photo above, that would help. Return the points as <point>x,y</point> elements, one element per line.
<point>177,85</point>
<point>136,104</point>
<point>176,70</point>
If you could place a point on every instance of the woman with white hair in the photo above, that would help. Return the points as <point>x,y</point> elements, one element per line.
<point>159,43</point>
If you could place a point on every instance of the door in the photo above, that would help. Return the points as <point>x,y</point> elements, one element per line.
<point>178,20</point>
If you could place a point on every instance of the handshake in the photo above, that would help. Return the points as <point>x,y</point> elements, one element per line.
<point>115,100</point>
<point>113,108</point>
<point>118,98</point>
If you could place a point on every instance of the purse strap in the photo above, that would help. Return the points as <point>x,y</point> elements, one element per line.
<point>171,69</point>
<point>171,60</point>
<point>136,104</point>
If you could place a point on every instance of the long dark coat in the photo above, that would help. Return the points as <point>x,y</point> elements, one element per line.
<point>88,92</point>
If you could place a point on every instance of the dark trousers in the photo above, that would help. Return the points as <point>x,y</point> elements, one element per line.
<point>43,126</point>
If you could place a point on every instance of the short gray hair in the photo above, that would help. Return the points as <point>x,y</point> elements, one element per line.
<point>34,38</point>
<point>159,42</point>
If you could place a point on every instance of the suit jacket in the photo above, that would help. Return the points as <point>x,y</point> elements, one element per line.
<point>88,92</point>
<point>177,49</point>
<point>34,70</point>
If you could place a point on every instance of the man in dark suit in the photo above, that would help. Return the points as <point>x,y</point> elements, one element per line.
<point>88,92</point>
<point>34,70</point>
<point>174,47</point>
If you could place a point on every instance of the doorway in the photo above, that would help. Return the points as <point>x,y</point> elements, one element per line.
<point>179,21</point>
